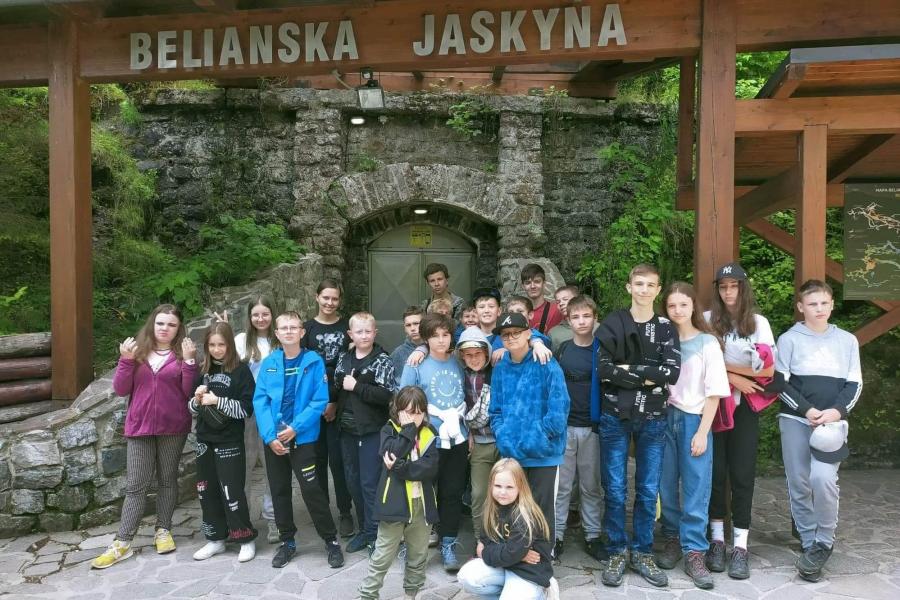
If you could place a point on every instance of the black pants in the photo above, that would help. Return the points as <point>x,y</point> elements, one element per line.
<point>302,462</point>
<point>734,459</point>
<point>543,482</point>
<point>451,482</point>
<point>328,454</point>
<point>220,485</point>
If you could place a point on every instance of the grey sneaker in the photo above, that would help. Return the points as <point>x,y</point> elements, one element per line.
<point>643,564</point>
<point>614,572</point>
<point>695,568</point>
<point>739,565</point>
<point>433,538</point>
<point>813,559</point>
<point>273,536</point>
<point>715,557</point>
<point>670,554</point>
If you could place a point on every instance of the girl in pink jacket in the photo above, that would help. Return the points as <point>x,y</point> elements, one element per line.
<point>157,371</point>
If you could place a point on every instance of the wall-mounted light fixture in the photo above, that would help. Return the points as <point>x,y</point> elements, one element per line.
<point>420,211</point>
<point>371,96</point>
<point>357,120</point>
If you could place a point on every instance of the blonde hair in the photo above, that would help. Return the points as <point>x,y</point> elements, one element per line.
<point>362,317</point>
<point>440,303</point>
<point>525,510</point>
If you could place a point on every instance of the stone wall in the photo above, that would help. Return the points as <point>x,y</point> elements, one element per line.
<point>66,469</point>
<point>531,185</point>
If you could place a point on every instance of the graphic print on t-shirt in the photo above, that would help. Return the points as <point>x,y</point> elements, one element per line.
<point>330,344</point>
<point>445,389</point>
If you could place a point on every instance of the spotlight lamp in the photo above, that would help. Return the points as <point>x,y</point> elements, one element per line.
<point>370,94</point>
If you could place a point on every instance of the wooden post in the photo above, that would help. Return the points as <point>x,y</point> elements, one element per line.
<point>684,171</point>
<point>71,299</point>
<point>714,239</point>
<point>810,261</point>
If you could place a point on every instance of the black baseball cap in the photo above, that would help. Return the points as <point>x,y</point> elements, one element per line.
<point>510,321</point>
<point>731,271</point>
<point>486,292</point>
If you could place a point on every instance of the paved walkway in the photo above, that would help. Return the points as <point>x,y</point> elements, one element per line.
<point>865,564</point>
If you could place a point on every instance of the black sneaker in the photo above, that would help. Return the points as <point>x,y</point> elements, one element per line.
<point>695,568</point>
<point>813,559</point>
<point>643,564</point>
<point>335,556</point>
<point>715,557</point>
<point>357,542</point>
<point>670,554</point>
<point>597,549</point>
<point>558,549</point>
<point>739,565</point>
<point>283,555</point>
<point>614,572</point>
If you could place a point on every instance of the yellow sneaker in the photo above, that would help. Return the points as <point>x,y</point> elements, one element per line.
<point>164,541</point>
<point>117,552</point>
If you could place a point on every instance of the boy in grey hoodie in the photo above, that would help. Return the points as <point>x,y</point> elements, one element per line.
<point>820,364</point>
<point>412,316</point>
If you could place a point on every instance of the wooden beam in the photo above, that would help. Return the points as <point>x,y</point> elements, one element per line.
<point>878,326</point>
<point>783,240</point>
<point>687,197</point>
<point>687,90</point>
<point>778,193</point>
<point>217,6</point>
<point>810,263</point>
<point>714,239</point>
<point>844,167</point>
<point>71,317</point>
<point>385,32</point>
<point>497,74</point>
<point>792,79</point>
<point>599,71</point>
<point>842,114</point>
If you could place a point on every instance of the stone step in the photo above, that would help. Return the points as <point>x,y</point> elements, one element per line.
<point>12,414</point>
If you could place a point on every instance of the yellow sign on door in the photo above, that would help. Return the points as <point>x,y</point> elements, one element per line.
<point>420,236</point>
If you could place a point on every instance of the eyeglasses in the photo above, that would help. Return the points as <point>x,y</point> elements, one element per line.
<point>512,335</point>
<point>290,329</point>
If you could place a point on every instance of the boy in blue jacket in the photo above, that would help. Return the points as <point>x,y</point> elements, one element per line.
<point>291,393</point>
<point>528,411</point>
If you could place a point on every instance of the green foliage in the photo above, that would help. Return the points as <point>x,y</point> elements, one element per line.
<point>753,69</point>
<point>118,184</point>
<point>472,117</point>
<point>365,163</point>
<point>229,251</point>
<point>649,230</point>
<point>129,113</point>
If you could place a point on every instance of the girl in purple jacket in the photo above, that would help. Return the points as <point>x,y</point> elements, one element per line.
<point>157,370</point>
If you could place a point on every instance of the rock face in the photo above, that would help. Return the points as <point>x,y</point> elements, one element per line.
<point>526,182</point>
<point>66,469</point>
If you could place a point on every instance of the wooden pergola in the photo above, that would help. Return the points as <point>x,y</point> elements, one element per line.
<point>827,117</point>
<point>586,46</point>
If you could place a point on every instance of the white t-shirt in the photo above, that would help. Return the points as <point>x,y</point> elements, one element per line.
<point>702,374</point>
<point>265,348</point>
<point>762,335</point>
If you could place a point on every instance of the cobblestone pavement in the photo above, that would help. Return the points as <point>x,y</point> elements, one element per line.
<point>865,564</point>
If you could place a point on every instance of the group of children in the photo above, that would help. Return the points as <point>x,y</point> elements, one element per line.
<point>534,408</point>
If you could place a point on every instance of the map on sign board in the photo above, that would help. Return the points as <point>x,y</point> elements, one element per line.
<point>872,241</point>
<point>420,236</point>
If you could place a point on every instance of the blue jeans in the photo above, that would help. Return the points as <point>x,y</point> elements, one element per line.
<point>649,440</point>
<point>362,469</point>
<point>688,517</point>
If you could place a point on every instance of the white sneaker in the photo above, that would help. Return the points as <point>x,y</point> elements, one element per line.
<point>552,591</point>
<point>248,551</point>
<point>209,550</point>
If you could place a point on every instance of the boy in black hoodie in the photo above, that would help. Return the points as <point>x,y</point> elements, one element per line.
<point>639,356</point>
<point>364,383</point>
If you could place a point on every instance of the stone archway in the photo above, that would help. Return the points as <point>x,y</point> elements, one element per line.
<point>481,234</point>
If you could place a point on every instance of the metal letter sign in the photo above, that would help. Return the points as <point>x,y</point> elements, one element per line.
<point>872,241</point>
